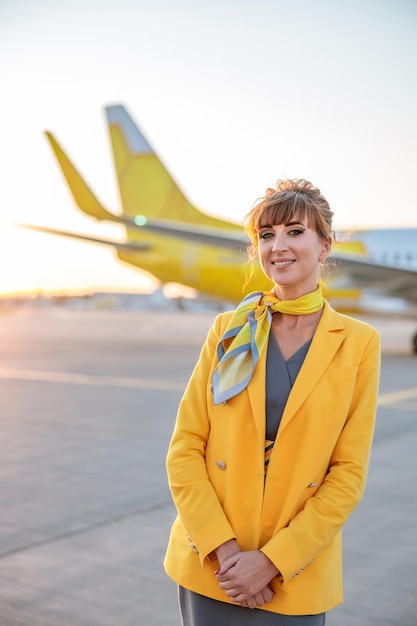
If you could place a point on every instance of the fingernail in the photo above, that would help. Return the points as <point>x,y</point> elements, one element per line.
<point>217,571</point>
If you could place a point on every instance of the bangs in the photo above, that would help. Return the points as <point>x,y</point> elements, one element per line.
<point>279,214</point>
<point>283,208</point>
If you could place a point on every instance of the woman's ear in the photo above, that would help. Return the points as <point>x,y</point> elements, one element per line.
<point>326,249</point>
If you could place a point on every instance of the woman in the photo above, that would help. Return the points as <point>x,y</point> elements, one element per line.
<point>271,445</point>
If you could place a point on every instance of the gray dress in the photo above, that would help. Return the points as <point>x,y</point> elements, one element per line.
<point>198,610</point>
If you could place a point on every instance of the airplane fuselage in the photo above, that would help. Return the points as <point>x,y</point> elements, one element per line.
<point>391,246</point>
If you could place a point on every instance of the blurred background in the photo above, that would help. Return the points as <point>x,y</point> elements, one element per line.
<point>231,94</point>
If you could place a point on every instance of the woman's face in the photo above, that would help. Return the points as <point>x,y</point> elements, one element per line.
<point>290,256</point>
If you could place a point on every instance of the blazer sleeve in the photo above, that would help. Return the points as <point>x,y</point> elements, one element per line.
<point>196,501</point>
<point>324,514</point>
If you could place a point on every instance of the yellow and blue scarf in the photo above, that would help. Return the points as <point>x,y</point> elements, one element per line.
<point>246,335</point>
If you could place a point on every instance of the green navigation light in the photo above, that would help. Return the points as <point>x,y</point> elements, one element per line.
<point>140,220</point>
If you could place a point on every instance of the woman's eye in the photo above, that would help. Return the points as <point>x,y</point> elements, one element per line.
<point>295,232</point>
<point>265,235</point>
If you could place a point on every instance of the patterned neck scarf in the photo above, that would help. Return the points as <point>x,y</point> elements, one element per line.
<point>246,335</point>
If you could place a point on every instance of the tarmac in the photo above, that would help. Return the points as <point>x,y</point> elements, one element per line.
<point>88,401</point>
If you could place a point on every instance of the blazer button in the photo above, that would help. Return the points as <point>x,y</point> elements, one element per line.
<point>221,465</point>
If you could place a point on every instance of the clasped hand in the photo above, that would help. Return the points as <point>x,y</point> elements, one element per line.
<point>245,576</point>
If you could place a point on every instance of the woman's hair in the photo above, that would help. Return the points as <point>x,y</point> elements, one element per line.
<point>292,198</point>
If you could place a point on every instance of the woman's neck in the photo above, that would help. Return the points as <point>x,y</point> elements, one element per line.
<point>291,293</point>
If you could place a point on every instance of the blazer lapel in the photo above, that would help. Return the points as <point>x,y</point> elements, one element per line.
<point>256,394</point>
<point>328,337</point>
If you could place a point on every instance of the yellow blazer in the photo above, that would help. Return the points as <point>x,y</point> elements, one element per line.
<point>316,473</point>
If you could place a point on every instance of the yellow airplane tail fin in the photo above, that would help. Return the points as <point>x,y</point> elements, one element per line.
<point>146,187</point>
<point>81,192</point>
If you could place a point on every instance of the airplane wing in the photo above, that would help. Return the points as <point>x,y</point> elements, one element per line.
<point>363,273</point>
<point>119,245</point>
<point>202,234</point>
<point>211,236</point>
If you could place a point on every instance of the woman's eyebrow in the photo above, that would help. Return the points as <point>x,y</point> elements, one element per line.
<point>296,223</point>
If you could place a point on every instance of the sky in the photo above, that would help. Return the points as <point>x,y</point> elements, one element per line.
<point>231,94</point>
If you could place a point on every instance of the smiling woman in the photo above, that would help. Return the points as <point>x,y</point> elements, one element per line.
<point>271,445</point>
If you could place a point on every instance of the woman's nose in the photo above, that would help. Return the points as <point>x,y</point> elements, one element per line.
<point>280,243</point>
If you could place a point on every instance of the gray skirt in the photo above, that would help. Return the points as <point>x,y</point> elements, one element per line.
<point>197,610</point>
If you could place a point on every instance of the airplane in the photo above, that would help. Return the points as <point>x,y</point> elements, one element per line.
<point>166,235</point>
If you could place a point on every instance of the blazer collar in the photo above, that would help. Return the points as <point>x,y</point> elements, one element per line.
<point>329,335</point>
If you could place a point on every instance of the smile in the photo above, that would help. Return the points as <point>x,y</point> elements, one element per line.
<point>282,263</point>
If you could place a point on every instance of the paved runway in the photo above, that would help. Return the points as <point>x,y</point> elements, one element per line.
<point>88,402</point>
